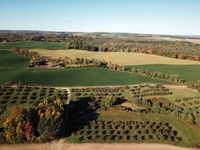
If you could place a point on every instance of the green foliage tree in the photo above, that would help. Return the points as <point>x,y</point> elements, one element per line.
<point>50,114</point>
<point>156,108</point>
<point>109,101</point>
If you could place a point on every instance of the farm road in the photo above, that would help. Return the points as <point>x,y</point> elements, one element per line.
<point>61,145</point>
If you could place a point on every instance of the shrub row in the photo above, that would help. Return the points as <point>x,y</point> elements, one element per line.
<point>127,131</point>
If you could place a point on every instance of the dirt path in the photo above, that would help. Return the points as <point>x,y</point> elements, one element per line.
<point>179,87</point>
<point>91,146</point>
<point>176,86</point>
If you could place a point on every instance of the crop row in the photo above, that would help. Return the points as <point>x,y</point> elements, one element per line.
<point>148,86</point>
<point>149,90</point>
<point>97,89</point>
<point>97,96</point>
<point>25,88</point>
<point>192,103</point>
<point>127,130</point>
<point>188,99</point>
<point>26,94</point>
<point>125,138</point>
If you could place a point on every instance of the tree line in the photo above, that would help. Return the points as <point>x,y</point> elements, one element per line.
<point>37,60</point>
<point>173,49</point>
<point>21,36</point>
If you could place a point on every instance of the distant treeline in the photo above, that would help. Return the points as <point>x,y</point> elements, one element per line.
<point>45,37</point>
<point>173,49</point>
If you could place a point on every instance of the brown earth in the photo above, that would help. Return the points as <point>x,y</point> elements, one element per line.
<point>61,145</point>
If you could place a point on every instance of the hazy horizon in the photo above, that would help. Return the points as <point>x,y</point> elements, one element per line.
<point>166,17</point>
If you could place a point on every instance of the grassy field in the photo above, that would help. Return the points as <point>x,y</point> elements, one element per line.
<point>189,133</point>
<point>34,44</point>
<point>74,77</point>
<point>187,69</point>
<point>114,125</point>
<point>9,60</point>
<point>96,124</point>
<point>191,73</point>
<point>179,93</point>
<point>121,58</point>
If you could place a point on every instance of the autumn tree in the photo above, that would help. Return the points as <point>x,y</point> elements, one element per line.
<point>29,131</point>
<point>15,126</point>
<point>50,113</point>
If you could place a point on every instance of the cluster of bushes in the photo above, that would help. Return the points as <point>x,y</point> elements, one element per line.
<point>99,97</point>
<point>189,102</point>
<point>127,131</point>
<point>149,90</point>
<point>85,62</point>
<point>166,108</point>
<point>41,123</point>
<point>97,93</point>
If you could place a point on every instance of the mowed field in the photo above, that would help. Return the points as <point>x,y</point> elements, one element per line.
<point>121,58</point>
<point>191,73</point>
<point>74,77</point>
<point>9,60</point>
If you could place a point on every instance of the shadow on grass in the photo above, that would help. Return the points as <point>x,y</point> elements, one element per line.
<point>80,115</point>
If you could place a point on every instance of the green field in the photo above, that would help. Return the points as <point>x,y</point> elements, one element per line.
<point>34,44</point>
<point>188,70</point>
<point>191,73</point>
<point>60,77</point>
<point>74,77</point>
<point>9,60</point>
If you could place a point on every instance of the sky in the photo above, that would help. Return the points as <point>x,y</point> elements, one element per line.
<point>172,17</point>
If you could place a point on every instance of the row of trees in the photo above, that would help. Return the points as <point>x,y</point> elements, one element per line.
<point>85,62</point>
<point>41,123</point>
<point>36,59</point>
<point>159,75</point>
<point>174,49</point>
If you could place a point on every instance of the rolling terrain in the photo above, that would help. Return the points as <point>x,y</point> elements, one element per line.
<point>74,77</point>
<point>121,58</point>
<point>107,106</point>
